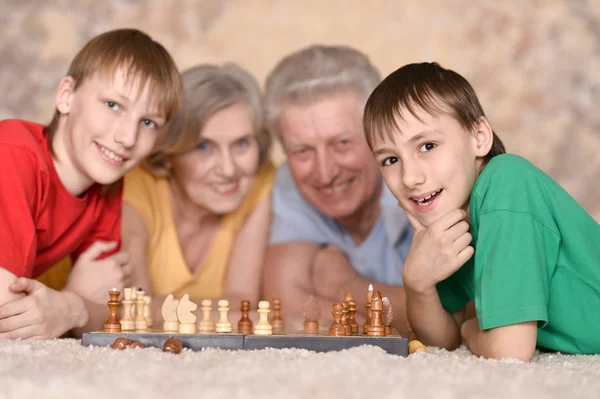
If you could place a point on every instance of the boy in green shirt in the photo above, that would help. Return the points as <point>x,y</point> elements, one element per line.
<point>489,227</point>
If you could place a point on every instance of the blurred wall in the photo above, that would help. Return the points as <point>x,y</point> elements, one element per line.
<point>535,64</point>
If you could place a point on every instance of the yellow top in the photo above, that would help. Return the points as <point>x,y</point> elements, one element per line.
<point>170,274</point>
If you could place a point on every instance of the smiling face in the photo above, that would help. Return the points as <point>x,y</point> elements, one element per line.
<point>432,163</point>
<point>218,174</point>
<point>107,127</point>
<point>328,156</point>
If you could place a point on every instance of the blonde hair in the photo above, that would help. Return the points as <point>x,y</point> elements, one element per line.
<point>207,90</point>
<point>314,72</point>
<point>141,59</point>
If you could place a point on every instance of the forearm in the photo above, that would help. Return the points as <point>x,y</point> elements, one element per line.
<point>513,341</point>
<point>432,324</point>
<point>90,317</point>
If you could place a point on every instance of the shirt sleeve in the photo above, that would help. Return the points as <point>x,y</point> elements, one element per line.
<point>293,218</point>
<point>21,187</point>
<point>108,226</point>
<point>514,254</point>
<point>452,295</point>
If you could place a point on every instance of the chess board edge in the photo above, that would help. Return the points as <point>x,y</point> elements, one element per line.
<point>394,344</point>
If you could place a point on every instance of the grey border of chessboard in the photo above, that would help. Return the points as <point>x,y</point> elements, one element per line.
<point>393,344</point>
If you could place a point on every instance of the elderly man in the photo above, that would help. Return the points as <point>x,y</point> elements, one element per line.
<point>336,227</point>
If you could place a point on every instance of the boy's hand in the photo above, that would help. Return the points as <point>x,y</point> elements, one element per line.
<point>436,251</point>
<point>91,278</point>
<point>43,314</point>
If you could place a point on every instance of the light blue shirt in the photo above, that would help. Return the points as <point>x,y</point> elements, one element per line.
<point>379,258</point>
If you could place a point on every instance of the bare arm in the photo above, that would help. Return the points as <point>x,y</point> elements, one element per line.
<point>245,270</point>
<point>432,324</point>
<point>296,270</point>
<point>286,274</point>
<point>30,310</point>
<point>333,276</point>
<point>135,238</point>
<point>515,341</point>
<point>6,279</point>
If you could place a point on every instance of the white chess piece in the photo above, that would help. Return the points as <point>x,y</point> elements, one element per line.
<point>263,327</point>
<point>127,322</point>
<point>169,309</point>
<point>140,321</point>
<point>187,319</point>
<point>206,325</point>
<point>223,325</point>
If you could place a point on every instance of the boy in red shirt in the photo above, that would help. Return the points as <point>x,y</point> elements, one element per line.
<point>60,190</point>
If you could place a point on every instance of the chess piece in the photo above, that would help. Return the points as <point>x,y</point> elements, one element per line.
<point>311,313</point>
<point>121,343</point>
<point>187,319</point>
<point>148,311</point>
<point>172,345</point>
<point>348,296</point>
<point>245,324</point>
<point>352,317</point>
<point>277,322</point>
<point>415,346</point>
<point>127,322</point>
<point>387,315</point>
<point>337,329</point>
<point>223,325</point>
<point>140,321</point>
<point>133,295</point>
<point>263,327</point>
<point>206,325</point>
<point>344,320</point>
<point>169,314</point>
<point>136,344</point>
<point>368,308</point>
<point>112,325</point>
<point>376,328</point>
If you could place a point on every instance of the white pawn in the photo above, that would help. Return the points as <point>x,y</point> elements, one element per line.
<point>140,321</point>
<point>187,319</point>
<point>263,327</point>
<point>169,314</point>
<point>223,325</point>
<point>148,311</point>
<point>206,325</point>
<point>127,322</point>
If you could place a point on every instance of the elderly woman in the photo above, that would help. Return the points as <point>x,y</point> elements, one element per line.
<point>196,216</point>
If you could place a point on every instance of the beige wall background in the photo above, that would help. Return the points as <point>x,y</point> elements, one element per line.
<point>535,64</point>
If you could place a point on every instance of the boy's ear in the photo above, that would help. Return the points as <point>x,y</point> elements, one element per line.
<point>484,137</point>
<point>64,95</point>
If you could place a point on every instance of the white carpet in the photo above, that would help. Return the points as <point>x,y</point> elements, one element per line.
<point>64,369</point>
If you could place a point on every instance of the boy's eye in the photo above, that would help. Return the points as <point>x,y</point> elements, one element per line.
<point>112,105</point>
<point>149,123</point>
<point>203,146</point>
<point>389,161</point>
<point>427,147</point>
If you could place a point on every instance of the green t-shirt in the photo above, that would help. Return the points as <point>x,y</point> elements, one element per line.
<point>537,257</point>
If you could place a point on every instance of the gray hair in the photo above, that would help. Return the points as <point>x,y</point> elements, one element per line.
<point>207,90</point>
<point>309,74</point>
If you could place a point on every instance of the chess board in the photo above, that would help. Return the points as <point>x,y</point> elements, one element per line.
<point>320,342</point>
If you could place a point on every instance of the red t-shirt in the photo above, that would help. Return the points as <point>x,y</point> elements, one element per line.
<point>40,221</point>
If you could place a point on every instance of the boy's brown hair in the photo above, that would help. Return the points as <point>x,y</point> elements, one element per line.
<point>428,87</point>
<point>142,59</point>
